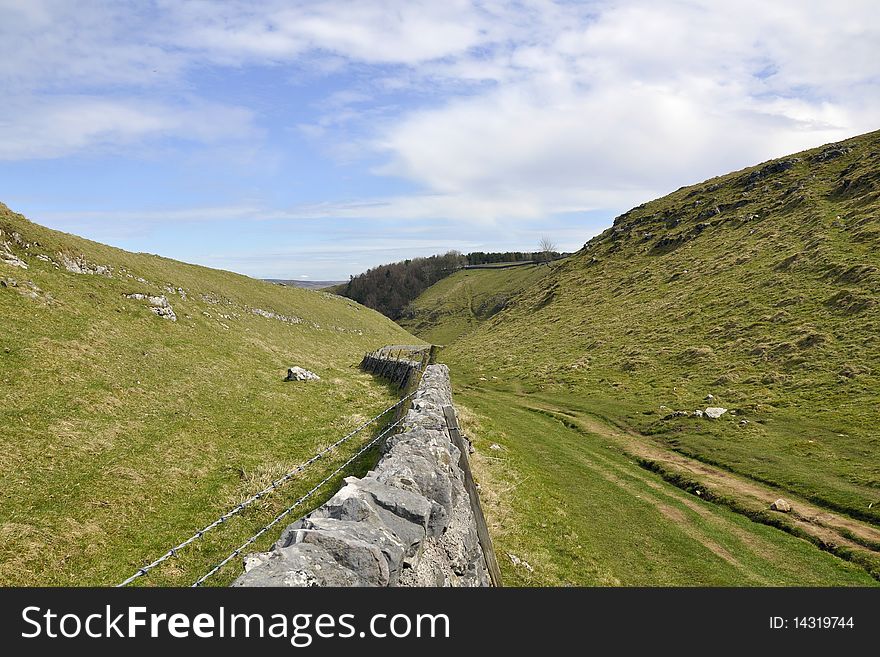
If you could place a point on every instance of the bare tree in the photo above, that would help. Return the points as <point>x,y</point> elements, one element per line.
<point>546,249</point>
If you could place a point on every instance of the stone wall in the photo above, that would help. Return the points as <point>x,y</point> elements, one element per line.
<point>408,522</point>
<point>400,364</point>
<point>399,372</point>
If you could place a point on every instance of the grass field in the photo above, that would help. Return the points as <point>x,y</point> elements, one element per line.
<point>122,432</point>
<point>579,511</point>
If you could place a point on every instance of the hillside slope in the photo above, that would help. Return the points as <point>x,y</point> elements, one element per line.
<point>759,288</point>
<point>123,428</point>
<point>459,303</point>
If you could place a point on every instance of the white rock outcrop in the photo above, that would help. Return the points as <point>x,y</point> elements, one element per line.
<point>8,257</point>
<point>781,505</point>
<point>300,374</point>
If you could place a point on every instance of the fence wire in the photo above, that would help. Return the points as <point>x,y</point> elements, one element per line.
<point>237,552</point>
<point>253,498</point>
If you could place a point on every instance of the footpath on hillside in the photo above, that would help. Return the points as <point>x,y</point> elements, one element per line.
<point>852,539</point>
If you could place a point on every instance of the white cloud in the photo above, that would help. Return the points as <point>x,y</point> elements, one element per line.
<point>49,45</point>
<point>170,215</point>
<point>486,209</point>
<point>65,66</point>
<point>61,125</point>
<point>411,208</point>
<point>553,141</point>
<point>375,31</point>
<point>643,95</point>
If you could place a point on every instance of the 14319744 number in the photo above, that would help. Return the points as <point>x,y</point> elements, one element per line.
<point>812,622</point>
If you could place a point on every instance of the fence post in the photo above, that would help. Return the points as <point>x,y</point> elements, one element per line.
<point>470,486</point>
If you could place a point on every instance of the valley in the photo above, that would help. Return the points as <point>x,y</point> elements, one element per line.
<point>636,407</point>
<point>753,294</point>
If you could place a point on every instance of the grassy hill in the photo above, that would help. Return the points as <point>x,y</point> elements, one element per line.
<point>123,430</point>
<point>755,291</point>
<point>459,303</point>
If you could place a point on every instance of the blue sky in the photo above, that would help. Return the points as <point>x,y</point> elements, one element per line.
<point>317,139</point>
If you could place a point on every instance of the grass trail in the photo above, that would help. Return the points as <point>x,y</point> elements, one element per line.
<point>579,511</point>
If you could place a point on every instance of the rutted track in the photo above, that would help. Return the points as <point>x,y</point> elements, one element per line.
<point>828,528</point>
<point>582,509</point>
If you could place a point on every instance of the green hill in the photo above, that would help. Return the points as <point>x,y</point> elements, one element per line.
<point>127,422</point>
<point>459,303</point>
<point>755,291</point>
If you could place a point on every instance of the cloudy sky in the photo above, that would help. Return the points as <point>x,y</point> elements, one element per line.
<point>315,139</point>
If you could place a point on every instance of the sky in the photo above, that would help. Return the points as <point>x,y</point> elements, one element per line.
<point>313,140</point>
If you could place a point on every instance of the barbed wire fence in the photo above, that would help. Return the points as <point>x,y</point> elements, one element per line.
<point>237,551</point>
<point>172,552</point>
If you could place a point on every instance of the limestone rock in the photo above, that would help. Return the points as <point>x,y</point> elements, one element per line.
<point>27,289</point>
<point>164,311</point>
<point>8,257</point>
<point>362,558</point>
<point>370,532</point>
<point>160,306</point>
<point>299,374</point>
<point>405,519</point>
<point>781,505</point>
<point>516,561</point>
<point>79,265</point>
<point>300,565</point>
<point>833,151</point>
<point>268,314</point>
<point>402,502</point>
<point>715,412</point>
<point>416,474</point>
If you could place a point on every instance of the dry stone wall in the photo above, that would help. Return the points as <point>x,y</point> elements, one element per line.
<point>401,365</point>
<point>399,372</point>
<point>408,522</point>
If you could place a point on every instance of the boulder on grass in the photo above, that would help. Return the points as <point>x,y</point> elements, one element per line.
<point>781,505</point>
<point>300,374</point>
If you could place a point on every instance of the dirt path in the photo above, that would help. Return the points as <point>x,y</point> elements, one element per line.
<point>831,529</point>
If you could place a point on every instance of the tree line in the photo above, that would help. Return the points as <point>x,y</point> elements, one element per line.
<point>483,258</point>
<point>391,288</point>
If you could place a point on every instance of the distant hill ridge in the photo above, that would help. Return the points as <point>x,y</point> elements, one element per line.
<point>391,288</point>
<point>459,303</point>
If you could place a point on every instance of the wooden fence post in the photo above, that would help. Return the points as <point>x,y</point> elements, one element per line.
<point>470,486</point>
